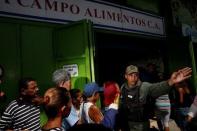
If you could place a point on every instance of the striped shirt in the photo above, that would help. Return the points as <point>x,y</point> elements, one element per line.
<point>21,116</point>
<point>163,103</point>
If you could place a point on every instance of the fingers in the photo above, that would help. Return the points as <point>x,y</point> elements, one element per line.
<point>186,77</point>
<point>185,71</point>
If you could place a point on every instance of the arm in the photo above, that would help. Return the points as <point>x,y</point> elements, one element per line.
<point>193,109</point>
<point>110,116</point>
<point>157,89</point>
<point>162,88</point>
<point>181,93</point>
<point>95,114</point>
<point>192,112</point>
<point>5,121</point>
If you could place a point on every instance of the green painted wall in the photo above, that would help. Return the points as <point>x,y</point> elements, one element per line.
<point>10,58</point>
<point>36,49</point>
<point>29,49</point>
<point>73,46</point>
<point>26,51</point>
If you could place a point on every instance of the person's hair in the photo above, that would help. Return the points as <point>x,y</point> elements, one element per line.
<point>74,92</point>
<point>23,83</point>
<point>60,75</point>
<point>110,91</point>
<point>57,97</point>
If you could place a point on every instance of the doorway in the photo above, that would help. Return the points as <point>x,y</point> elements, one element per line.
<point>114,52</point>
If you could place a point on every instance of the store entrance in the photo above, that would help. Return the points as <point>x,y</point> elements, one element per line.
<point>114,52</point>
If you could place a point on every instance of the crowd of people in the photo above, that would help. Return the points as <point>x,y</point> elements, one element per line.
<point>126,107</point>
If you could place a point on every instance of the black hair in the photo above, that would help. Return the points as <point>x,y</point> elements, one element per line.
<point>23,83</point>
<point>73,93</point>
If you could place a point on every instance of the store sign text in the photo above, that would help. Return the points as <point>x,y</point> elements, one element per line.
<point>74,10</point>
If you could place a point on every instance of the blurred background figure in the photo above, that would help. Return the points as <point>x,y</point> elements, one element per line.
<point>161,105</point>
<point>2,94</point>
<point>182,101</point>
<point>152,73</point>
<point>163,110</point>
<point>77,99</point>
<point>192,110</point>
<point>192,125</point>
<point>62,78</point>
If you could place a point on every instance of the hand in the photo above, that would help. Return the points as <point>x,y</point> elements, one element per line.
<point>180,75</point>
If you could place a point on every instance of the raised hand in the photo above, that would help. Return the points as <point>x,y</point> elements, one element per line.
<point>180,75</point>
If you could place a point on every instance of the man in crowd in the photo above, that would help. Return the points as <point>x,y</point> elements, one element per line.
<point>62,79</point>
<point>134,93</point>
<point>24,112</point>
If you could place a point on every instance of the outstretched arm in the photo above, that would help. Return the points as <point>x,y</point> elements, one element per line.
<point>180,75</point>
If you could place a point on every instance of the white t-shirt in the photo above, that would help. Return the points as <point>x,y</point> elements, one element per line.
<point>73,116</point>
<point>84,109</point>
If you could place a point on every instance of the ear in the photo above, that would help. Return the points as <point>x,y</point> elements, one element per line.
<point>61,84</point>
<point>46,99</point>
<point>94,94</point>
<point>23,92</point>
<point>125,76</point>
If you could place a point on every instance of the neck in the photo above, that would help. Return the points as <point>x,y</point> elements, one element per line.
<point>53,123</point>
<point>134,84</point>
<point>131,85</point>
<point>25,99</point>
<point>90,99</point>
<point>77,107</point>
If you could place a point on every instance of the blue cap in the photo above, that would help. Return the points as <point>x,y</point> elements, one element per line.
<point>91,88</point>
